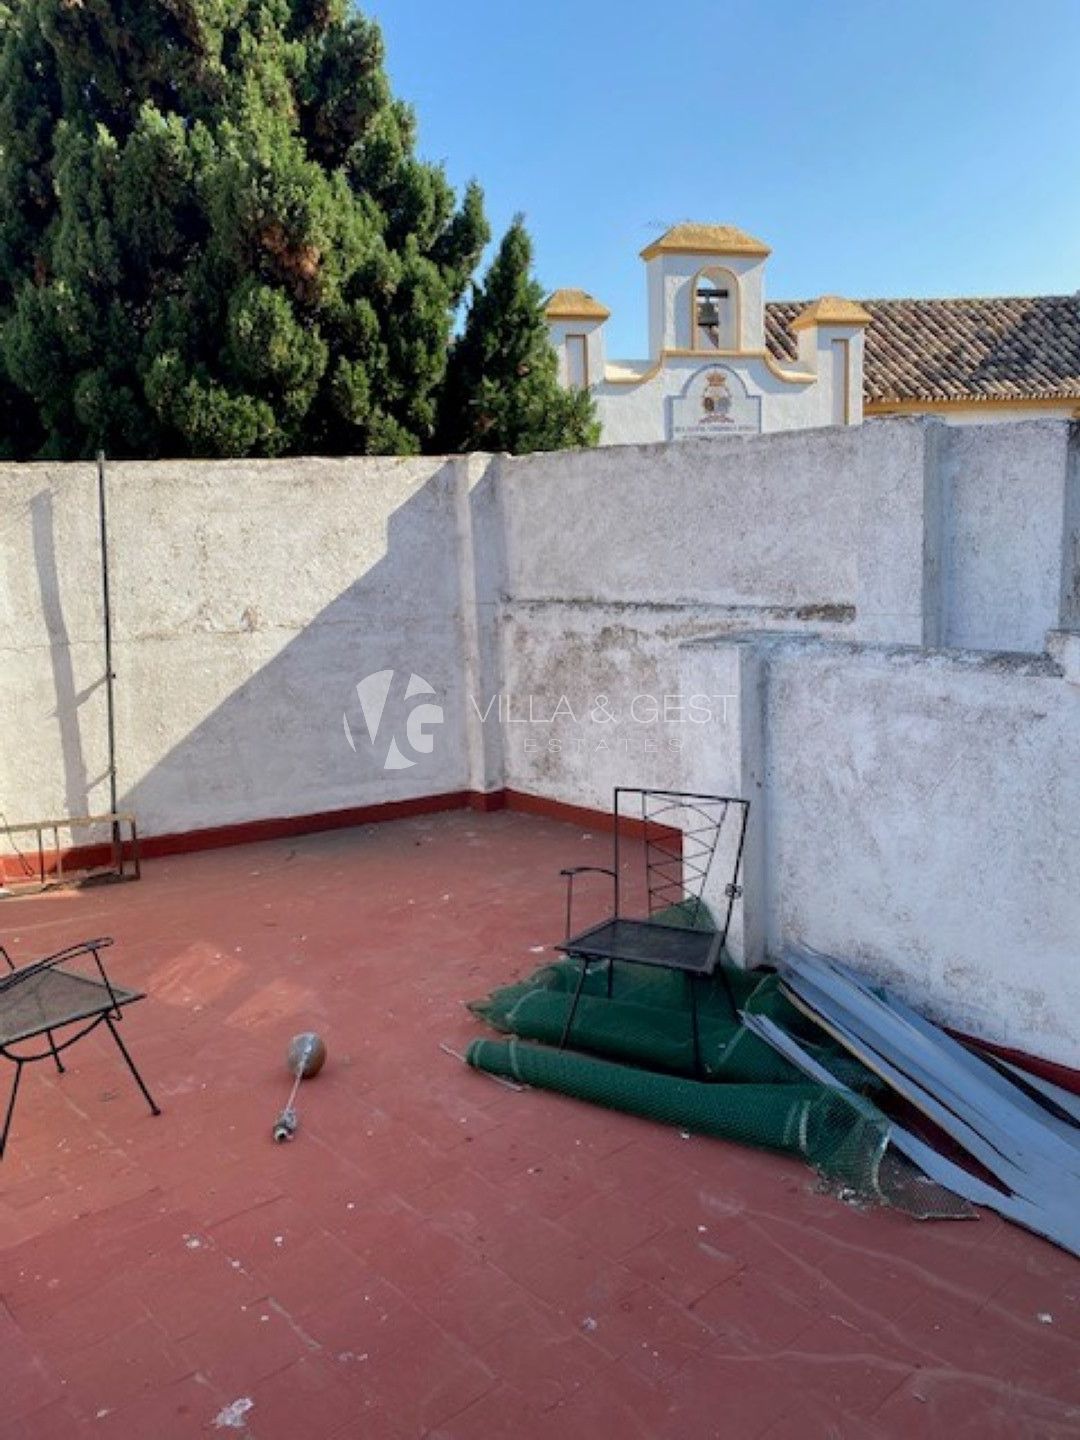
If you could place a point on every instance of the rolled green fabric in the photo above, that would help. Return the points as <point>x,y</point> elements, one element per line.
<point>842,1136</point>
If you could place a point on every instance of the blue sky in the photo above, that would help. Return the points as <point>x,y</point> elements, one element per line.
<point>901,148</point>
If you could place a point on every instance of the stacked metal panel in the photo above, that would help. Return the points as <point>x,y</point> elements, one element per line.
<point>1023,1133</point>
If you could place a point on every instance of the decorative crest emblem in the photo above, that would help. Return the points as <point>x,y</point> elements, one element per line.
<point>716,397</point>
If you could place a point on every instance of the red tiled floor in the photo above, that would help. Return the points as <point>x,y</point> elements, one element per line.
<point>437,1255</point>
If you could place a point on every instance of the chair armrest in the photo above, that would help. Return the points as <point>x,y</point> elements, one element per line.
<point>570,874</point>
<point>70,952</point>
<point>84,947</point>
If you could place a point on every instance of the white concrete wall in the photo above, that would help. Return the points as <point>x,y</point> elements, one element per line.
<point>766,521</point>
<point>917,814</point>
<point>251,597</point>
<point>595,357</point>
<point>638,413</point>
<point>248,600</point>
<point>914,809</point>
<point>614,559</point>
<point>1008,552</point>
<point>908,537</point>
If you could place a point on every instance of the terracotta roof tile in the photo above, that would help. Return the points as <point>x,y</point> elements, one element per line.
<point>831,310</point>
<point>1019,348</point>
<point>694,239</point>
<point>574,305</point>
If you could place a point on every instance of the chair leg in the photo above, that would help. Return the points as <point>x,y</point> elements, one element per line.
<point>10,1105</point>
<point>131,1065</point>
<point>610,976</point>
<point>574,1005</point>
<point>695,1028</point>
<point>55,1053</point>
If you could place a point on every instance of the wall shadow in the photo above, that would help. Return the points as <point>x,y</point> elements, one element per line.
<point>294,738</point>
<point>69,699</point>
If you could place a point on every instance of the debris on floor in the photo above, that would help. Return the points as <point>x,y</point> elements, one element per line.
<point>1025,1137</point>
<point>231,1417</point>
<point>811,1062</point>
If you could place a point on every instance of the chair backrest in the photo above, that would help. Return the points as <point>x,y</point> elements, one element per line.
<point>682,837</point>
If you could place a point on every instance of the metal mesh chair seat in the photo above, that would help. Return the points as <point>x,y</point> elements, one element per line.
<point>682,836</point>
<point>51,999</point>
<point>47,996</point>
<point>648,942</point>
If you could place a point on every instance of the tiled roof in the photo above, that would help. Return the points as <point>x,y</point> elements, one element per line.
<point>574,305</point>
<point>831,310</point>
<point>693,239</point>
<point>1000,349</point>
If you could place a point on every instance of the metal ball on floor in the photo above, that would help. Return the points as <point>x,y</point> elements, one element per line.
<point>306,1056</point>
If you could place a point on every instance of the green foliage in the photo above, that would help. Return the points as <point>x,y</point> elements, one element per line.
<point>502,390</point>
<point>215,235</point>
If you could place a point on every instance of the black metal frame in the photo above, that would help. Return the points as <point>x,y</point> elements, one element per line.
<point>666,885</point>
<point>107,1014</point>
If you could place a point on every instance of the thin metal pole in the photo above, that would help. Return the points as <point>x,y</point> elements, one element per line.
<point>110,709</point>
<point>618,792</point>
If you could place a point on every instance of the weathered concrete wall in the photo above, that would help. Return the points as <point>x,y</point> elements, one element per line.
<point>616,556</point>
<point>590,697</point>
<point>1009,533</point>
<point>918,814</point>
<point>560,624</point>
<point>251,597</point>
<point>906,535</point>
<point>764,521</point>
<point>248,600</point>
<point>595,696</point>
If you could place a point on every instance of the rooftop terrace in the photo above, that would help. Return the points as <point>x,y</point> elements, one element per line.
<point>437,1255</point>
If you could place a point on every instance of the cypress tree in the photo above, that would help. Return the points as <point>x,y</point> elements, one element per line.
<point>502,389</point>
<point>215,235</point>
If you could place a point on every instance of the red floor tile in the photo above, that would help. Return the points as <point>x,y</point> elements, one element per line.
<point>311,1398</point>
<point>425,1385</point>
<point>188,1407</point>
<point>545,1355</point>
<point>477,1305</point>
<point>750,1314</point>
<point>611,1224</point>
<point>125,1366</point>
<point>435,1255</point>
<point>650,1333</point>
<point>28,1384</point>
<point>616,1400</point>
<point>685,1264</point>
<point>248,1344</point>
<point>501,1411</point>
<point>369,1324</point>
<point>54,1422</point>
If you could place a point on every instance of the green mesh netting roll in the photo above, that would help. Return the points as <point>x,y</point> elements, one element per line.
<point>641,1014</point>
<point>637,984</point>
<point>647,1019</point>
<point>659,1038</point>
<point>843,1136</point>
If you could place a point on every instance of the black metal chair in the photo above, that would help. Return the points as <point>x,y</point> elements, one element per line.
<point>45,997</point>
<point>681,835</point>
